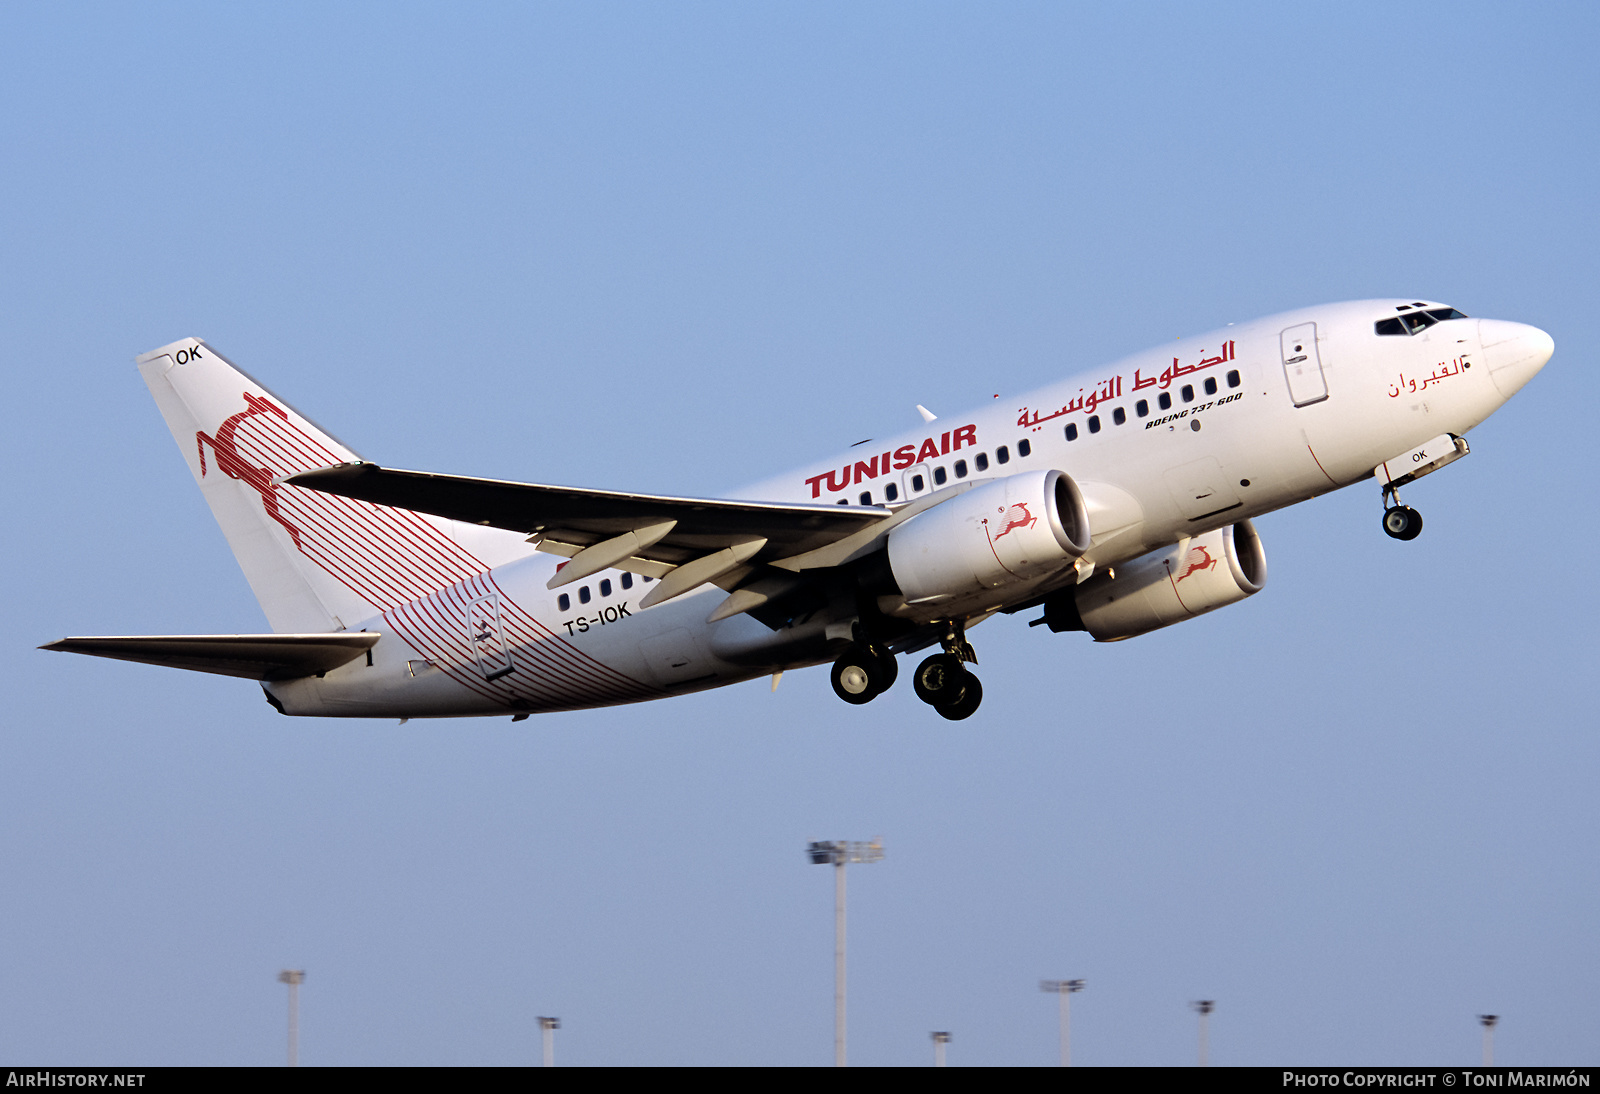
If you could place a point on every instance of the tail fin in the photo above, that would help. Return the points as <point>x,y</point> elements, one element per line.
<point>316,562</point>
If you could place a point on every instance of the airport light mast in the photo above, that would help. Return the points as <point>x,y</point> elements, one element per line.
<point>294,978</point>
<point>1064,988</point>
<point>1204,1007</point>
<point>547,1032</point>
<point>841,853</point>
<point>940,1039</point>
<point>1489,1022</point>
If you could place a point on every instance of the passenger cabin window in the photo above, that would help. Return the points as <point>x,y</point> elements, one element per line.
<point>916,484</point>
<point>981,460</point>
<point>890,492</point>
<point>866,497</point>
<point>1211,385</point>
<point>1142,408</point>
<point>1188,393</point>
<point>1118,416</point>
<point>1024,447</point>
<point>842,501</point>
<point>1164,400</point>
<point>1233,377</point>
<point>1094,423</point>
<point>627,581</point>
<point>961,469</point>
<point>1072,431</point>
<point>564,602</point>
<point>583,595</point>
<point>939,476</point>
<point>605,586</point>
<point>1002,455</point>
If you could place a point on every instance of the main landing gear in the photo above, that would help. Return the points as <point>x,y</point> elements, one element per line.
<point>865,671</point>
<point>943,682</point>
<point>1399,521</point>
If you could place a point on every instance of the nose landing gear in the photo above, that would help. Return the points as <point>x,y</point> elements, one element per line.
<point>1400,521</point>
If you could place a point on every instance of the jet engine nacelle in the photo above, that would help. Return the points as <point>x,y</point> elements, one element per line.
<point>1013,530</point>
<point>1165,587</point>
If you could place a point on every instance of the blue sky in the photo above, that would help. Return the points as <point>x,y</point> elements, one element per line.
<point>683,247</point>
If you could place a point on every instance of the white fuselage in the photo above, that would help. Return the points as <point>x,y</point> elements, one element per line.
<point>1165,444</point>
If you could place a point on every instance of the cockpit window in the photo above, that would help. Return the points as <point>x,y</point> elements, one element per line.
<point>1416,322</point>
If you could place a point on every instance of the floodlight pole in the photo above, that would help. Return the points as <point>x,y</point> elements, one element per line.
<point>940,1039</point>
<point>841,853</point>
<point>294,978</point>
<point>547,1032</point>
<point>1204,1007</point>
<point>1064,988</point>
<point>1489,1022</point>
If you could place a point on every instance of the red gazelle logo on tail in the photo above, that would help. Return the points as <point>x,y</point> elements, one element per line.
<point>226,447</point>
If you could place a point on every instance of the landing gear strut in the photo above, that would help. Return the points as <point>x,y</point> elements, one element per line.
<point>943,681</point>
<point>1400,521</point>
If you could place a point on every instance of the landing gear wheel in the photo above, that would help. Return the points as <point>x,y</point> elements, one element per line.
<point>858,676</point>
<point>1402,522</point>
<point>890,667</point>
<point>967,704</point>
<point>941,680</point>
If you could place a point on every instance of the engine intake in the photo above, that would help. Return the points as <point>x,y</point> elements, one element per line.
<point>1013,530</point>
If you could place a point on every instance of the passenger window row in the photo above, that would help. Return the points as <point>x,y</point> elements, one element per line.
<point>1119,416</point>
<point>941,476</point>
<point>564,601</point>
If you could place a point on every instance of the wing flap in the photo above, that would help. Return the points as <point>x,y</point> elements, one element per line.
<point>250,656</point>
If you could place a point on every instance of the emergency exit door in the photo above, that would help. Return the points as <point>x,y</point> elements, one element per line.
<point>1302,365</point>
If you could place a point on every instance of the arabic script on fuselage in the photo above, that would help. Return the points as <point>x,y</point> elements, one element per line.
<point>1106,390</point>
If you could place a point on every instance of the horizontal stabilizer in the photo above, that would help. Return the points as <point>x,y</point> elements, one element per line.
<point>251,656</point>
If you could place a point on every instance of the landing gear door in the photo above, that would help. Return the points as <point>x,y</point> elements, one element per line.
<point>1302,365</point>
<point>487,639</point>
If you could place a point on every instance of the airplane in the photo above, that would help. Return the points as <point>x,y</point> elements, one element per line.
<point>1116,502</point>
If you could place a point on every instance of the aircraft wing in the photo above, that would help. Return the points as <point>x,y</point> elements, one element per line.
<point>251,656</point>
<point>685,541</point>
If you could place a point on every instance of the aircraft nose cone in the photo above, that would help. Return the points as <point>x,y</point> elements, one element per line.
<point>1515,352</point>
